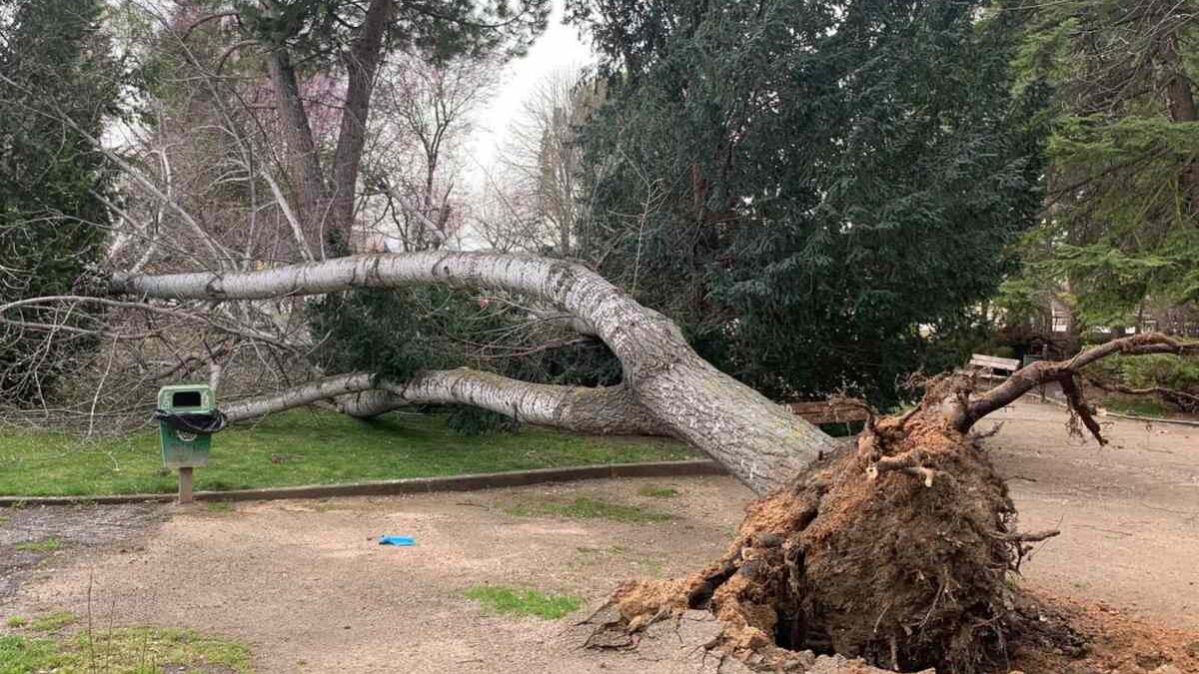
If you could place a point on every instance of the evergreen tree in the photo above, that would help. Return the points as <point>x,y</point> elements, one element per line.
<point>60,85</point>
<point>810,187</point>
<point>1120,229</point>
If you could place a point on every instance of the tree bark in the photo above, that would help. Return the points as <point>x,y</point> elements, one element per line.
<point>595,411</point>
<point>760,442</point>
<point>361,64</point>
<point>1181,101</point>
<point>301,147</point>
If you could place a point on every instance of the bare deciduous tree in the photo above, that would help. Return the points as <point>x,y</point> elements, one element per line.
<point>542,156</point>
<point>423,115</point>
<point>896,548</point>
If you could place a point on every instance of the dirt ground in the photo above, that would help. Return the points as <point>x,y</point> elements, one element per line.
<point>306,586</point>
<point>76,528</point>
<point>1128,512</point>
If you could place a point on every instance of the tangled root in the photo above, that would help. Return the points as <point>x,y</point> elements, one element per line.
<point>897,553</point>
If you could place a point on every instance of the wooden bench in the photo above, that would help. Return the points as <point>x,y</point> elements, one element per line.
<point>824,412</point>
<point>990,365</point>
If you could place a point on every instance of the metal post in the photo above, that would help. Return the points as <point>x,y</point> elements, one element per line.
<point>185,484</point>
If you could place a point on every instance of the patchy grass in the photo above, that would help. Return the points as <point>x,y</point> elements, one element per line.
<point>321,447</point>
<point>122,651</point>
<point>653,491</point>
<point>47,545</point>
<point>1141,407</point>
<point>587,557</point>
<point>19,655</point>
<point>16,622</point>
<point>4,520</point>
<point>218,506</point>
<point>53,622</point>
<point>515,601</point>
<point>136,650</point>
<point>584,508</point>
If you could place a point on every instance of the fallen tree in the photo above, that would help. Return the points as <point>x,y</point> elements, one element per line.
<point>761,443</point>
<point>896,550</point>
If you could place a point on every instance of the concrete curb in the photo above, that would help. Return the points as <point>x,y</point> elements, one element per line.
<point>418,485</point>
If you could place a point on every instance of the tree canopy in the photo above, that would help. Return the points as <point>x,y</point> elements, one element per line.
<point>59,86</point>
<point>806,186</point>
<point>1119,229</point>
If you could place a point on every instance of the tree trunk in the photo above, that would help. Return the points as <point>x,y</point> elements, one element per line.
<point>1181,101</point>
<point>361,62</point>
<point>599,411</point>
<point>761,443</point>
<point>305,165</point>
<point>898,550</point>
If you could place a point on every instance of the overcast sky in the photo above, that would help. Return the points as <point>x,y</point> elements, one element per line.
<point>557,48</point>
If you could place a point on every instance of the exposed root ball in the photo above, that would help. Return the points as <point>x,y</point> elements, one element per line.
<point>896,552</point>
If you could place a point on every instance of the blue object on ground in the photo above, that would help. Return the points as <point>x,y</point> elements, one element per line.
<point>401,541</point>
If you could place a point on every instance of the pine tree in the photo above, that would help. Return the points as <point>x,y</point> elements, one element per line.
<point>1120,228</point>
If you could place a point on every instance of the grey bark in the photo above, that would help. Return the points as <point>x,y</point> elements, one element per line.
<point>361,63</point>
<point>596,411</point>
<point>760,442</point>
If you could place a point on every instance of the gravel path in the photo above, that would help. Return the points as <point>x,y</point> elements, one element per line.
<point>28,535</point>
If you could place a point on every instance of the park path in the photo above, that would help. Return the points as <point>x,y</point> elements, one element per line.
<point>304,584</point>
<point>1129,511</point>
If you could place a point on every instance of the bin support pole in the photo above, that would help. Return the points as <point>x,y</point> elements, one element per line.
<point>185,484</point>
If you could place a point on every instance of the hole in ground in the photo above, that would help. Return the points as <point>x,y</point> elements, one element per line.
<point>793,635</point>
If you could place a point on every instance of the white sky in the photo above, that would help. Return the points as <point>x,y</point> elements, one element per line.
<point>558,47</point>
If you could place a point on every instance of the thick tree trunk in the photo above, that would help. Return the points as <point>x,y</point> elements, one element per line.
<point>898,552</point>
<point>361,63</point>
<point>596,411</point>
<point>305,165</point>
<point>760,442</point>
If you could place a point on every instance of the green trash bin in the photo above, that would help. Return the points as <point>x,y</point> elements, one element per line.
<point>187,417</point>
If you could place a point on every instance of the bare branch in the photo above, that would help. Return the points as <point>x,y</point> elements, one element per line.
<point>965,414</point>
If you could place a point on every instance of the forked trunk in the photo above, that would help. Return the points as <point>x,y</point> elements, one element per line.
<point>761,443</point>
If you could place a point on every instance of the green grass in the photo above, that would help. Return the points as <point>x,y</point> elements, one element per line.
<point>19,655</point>
<point>47,545</point>
<point>121,651</point>
<point>1141,407</point>
<point>16,622</point>
<point>53,622</point>
<point>515,601</point>
<point>584,508</point>
<point>658,492</point>
<point>321,448</point>
<point>218,506</point>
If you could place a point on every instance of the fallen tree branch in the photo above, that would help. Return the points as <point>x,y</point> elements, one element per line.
<point>964,414</point>
<point>599,411</point>
<point>1184,400</point>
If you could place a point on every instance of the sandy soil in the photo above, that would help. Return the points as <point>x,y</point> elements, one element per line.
<point>1129,512</point>
<point>73,528</point>
<point>307,587</point>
